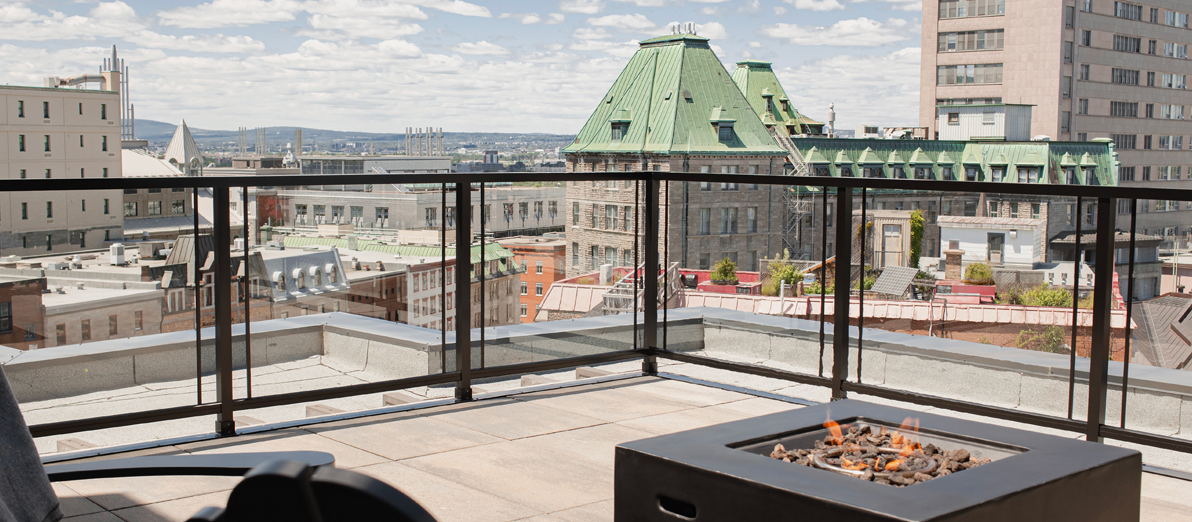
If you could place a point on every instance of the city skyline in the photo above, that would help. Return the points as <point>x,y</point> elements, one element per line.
<point>480,67</point>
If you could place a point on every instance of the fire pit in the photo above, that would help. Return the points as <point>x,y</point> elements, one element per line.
<point>792,465</point>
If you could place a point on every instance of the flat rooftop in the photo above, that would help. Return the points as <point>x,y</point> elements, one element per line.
<point>542,456</point>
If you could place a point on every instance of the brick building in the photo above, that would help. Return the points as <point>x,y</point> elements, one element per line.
<point>675,108</point>
<point>21,312</point>
<point>545,261</point>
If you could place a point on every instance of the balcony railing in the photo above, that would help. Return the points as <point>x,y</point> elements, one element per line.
<point>810,343</point>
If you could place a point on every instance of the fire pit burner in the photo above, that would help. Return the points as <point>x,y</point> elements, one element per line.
<point>876,453</point>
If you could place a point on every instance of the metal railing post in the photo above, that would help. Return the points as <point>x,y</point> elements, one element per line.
<point>224,423</point>
<point>841,299</point>
<point>463,289</point>
<point>1102,330</point>
<point>650,274</point>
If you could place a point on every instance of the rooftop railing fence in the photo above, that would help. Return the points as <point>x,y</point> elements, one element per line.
<point>843,350</point>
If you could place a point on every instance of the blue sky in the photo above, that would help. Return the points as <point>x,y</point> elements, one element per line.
<point>380,66</point>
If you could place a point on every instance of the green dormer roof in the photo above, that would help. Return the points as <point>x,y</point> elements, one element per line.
<point>757,82</point>
<point>676,89</point>
<point>869,157</point>
<point>1000,159</point>
<point>1031,158</point>
<point>919,157</point>
<point>944,158</point>
<point>841,158</point>
<point>815,156</point>
<point>1067,160</point>
<point>895,158</point>
<point>1087,161</point>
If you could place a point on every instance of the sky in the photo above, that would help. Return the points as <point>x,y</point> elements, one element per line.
<point>509,66</point>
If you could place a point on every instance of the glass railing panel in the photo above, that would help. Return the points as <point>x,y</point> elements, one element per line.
<point>553,293</point>
<point>98,310</point>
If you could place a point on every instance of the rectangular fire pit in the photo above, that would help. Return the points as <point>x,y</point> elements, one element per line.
<point>725,473</point>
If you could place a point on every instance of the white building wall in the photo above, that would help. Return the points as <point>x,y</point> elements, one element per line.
<point>1020,250</point>
<point>78,218</point>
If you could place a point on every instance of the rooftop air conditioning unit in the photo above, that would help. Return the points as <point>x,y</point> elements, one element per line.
<point>238,244</point>
<point>116,255</point>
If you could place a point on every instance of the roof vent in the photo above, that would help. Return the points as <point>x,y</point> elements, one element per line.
<point>686,94</point>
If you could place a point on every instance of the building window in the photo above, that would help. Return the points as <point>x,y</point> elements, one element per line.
<point>969,74</point>
<point>1126,174</point>
<point>82,205</point>
<point>1173,81</point>
<point>85,329</point>
<point>1128,44</point>
<point>618,130</point>
<point>1175,19</point>
<point>47,142</point>
<point>628,224</point>
<point>45,109</point>
<point>595,215</point>
<point>705,221</point>
<point>130,209</point>
<point>1174,50</point>
<point>24,211</point>
<point>49,242</point>
<point>5,317</point>
<point>538,286</point>
<point>728,220</point>
<point>524,287</point>
<point>60,334</point>
<point>21,142</point>
<point>524,308</point>
<point>49,210</point>
<point>724,131</point>
<point>990,40</point>
<point>1083,106</point>
<point>1127,11</point>
<point>1151,47</point>
<point>105,144</point>
<point>154,208</point>
<point>971,8</point>
<point>20,108</point>
<point>1125,76</point>
<point>1084,72</point>
<point>178,207</point>
<point>138,320</point>
<point>1086,37</point>
<point>751,220</point>
<point>1171,112</point>
<point>575,253</point>
<point>1124,141</point>
<point>610,217</point>
<point>574,213</point>
<point>705,261</point>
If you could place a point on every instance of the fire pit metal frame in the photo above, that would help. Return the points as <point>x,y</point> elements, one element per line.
<point>705,473</point>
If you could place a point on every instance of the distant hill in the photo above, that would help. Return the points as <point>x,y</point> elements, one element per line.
<point>157,131</point>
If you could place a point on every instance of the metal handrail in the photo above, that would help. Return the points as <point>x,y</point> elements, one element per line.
<point>1093,428</point>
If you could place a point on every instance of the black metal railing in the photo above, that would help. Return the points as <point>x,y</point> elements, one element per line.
<point>652,328</point>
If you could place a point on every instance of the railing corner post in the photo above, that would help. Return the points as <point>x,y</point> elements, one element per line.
<point>843,282</point>
<point>463,290</point>
<point>1102,330</point>
<point>225,425</point>
<point>650,271</point>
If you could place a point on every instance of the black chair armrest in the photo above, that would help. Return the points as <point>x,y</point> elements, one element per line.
<point>210,464</point>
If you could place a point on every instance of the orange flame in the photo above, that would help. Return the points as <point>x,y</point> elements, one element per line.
<point>893,465</point>
<point>850,465</point>
<point>834,428</point>
<point>910,426</point>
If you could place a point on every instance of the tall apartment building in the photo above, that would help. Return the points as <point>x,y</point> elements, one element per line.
<point>675,108</point>
<point>1091,68</point>
<point>544,262</point>
<point>59,133</point>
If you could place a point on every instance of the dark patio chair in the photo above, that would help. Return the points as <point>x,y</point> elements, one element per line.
<point>26,494</point>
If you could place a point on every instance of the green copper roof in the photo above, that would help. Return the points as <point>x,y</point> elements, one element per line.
<point>757,82</point>
<point>938,155</point>
<point>671,87</point>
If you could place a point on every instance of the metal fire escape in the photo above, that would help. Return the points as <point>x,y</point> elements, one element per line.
<point>620,298</point>
<point>799,205</point>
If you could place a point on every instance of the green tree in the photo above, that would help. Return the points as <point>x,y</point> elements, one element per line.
<point>978,274</point>
<point>725,270</point>
<point>916,237</point>
<point>1050,340</point>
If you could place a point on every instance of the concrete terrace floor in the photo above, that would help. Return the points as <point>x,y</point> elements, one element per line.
<point>541,456</point>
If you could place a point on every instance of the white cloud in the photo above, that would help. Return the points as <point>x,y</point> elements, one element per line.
<point>898,5</point>
<point>211,44</point>
<point>751,6</point>
<point>712,31</point>
<point>351,28</point>
<point>816,5</point>
<point>533,18</point>
<point>587,33</point>
<point>458,7</point>
<point>757,45</point>
<point>617,49</point>
<point>709,11</point>
<point>630,23</point>
<point>230,13</point>
<point>779,10</point>
<point>882,89</point>
<point>647,3</point>
<point>746,55</point>
<point>859,32</point>
<point>588,7</point>
<point>481,47</point>
<point>710,1</point>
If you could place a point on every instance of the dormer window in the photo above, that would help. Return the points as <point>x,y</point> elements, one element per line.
<point>786,106</point>
<point>725,130</point>
<point>769,104</point>
<point>1090,175</point>
<point>618,130</point>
